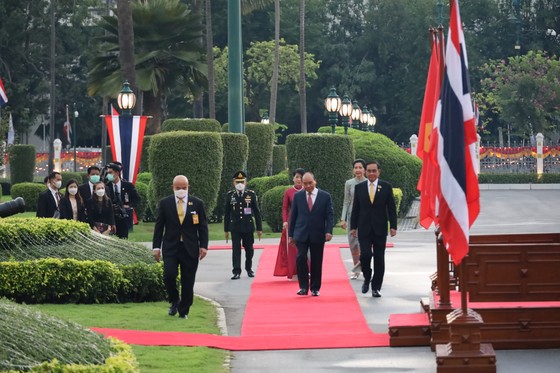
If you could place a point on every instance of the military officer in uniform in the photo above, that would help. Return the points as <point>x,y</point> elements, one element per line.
<point>241,215</point>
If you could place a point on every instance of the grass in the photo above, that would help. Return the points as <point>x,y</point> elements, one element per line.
<point>152,316</point>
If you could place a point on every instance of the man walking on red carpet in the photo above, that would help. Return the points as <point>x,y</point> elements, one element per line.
<point>311,224</point>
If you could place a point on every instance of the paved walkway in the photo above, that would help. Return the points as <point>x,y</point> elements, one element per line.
<point>409,264</point>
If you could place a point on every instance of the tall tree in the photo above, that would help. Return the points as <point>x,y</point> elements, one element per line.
<point>276,65</point>
<point>302,79</point>
<point>126,41</point>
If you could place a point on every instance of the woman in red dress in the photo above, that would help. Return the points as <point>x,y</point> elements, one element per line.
<point>286,259</point>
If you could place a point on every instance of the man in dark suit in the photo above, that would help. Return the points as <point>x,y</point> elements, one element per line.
<point>86,189</point>
<point>241,214</point>
<point>374,209</point>
<point>123,196</point>
<point>47,204</point>
<point>181,231</point>
<point>311,225</point>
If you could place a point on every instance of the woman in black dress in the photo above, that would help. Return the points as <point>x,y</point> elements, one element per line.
<point>100,211</point>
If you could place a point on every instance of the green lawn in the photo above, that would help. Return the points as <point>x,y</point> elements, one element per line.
<point>152,316</point>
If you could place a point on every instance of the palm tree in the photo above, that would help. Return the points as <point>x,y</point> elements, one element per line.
<point>276,66</point>
<point>210,61</point>
<point>126,41</point>
<point>167,54</point>
<point>302,80</point>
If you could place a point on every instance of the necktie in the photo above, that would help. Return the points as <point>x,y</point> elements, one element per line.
<point>180,211</point>
<point>117,194</point>
<point>371,193</point>
<point>309,201</point>
<point>57,198</point>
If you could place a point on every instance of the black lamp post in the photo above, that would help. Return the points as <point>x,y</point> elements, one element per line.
<point>74,135</point>
<point>356,115</point>
<point>126,99</point>
<point>345,112</point>
<point>332,104</point>
<point>365,118</point>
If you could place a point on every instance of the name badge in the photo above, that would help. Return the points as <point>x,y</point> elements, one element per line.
<point>195,218</point>
<point>247,211</point>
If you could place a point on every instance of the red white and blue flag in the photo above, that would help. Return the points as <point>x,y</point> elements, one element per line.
<point>126,134</point>
<point>3,95</point>
<point>459,196</point>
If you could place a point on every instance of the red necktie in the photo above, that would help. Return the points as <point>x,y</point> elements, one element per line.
<point>309,201</point>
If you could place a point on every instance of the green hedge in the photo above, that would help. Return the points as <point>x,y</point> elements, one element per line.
<point>29,192</point>
<point>38,342</point>
<point>144,177</point>
<point>328,156</point>
<point>141,208</point>
<point>71,175</point>
<point>271,202</point>
<point>73,281</point>
<point>145,158</point>
<point>518,178</point>
<point>22,163</point>
<point>261,185</point>
<point>261,142</point>
<point>236,151</point>
<point>197,155</point>
<point>279,159</point>
<point>188,124</point>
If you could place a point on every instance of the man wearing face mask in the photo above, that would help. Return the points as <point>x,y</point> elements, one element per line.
<point>86,189</point>
<point>47,205</point>
<point>123,196</point>
<point>241,215</point>
<point>181,231</point>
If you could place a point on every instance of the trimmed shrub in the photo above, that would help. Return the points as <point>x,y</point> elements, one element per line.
<point>144,177</point>
<point>261,141</point>
<point>261,185</point>
<point>271,202</point>
<point>197,155</point>
<point>145,158</point>
<point>22,163</point>
<point>142,190</point>
<point>188,124</point>
<point>71,175</point>
<point>236,151</point>
<point>279,159</point>
<point>315,153</point>
<point>144,283</point>
<point>29,192</point>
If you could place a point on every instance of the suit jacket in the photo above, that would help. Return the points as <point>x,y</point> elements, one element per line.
<point>311,225</point>
<point>46,205</point>
<point>168,230</point>
<point>236,217</point>
<point>373,218</point>
<point>129,195</point>
<point>66,212</point>
<point>85,191</point>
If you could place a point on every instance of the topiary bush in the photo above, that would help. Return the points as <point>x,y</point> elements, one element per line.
<point>236,151</point>
<point>328,156</point>
<point>271,203</point>
<point>261,185</point>
<point>194,124</point>
<point>22,163</point>
<point>279,159</point>
<point>29,192</point>
<point>261,141</point>
<point>144,177</point>
<point>142,190</point>
<point>144,159</point>
<point>197,155</point>
<point>66,175</point>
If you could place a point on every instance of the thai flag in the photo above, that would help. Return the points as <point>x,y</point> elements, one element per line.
<point>3,95</point>
<point>459,202</point>
<point>126,134</point>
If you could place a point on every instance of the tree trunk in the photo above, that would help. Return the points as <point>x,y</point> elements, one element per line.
<point>210,61</point>
<point>302,81</point>
<point>126,44</point>
<point>274,81</point>
<point>154,106</point>
<point>198,104</point>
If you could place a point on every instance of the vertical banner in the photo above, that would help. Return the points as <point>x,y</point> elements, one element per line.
<point>126,136</point>
<point>57,143</point>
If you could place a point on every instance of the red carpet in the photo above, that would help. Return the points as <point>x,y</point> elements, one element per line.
<point>278,319</point>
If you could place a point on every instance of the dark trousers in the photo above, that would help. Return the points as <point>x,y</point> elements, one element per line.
<point>315,267</point>
<point>122,227</point>
<point>188,266</point>
<point>373,247</point>
<point>246,240</point>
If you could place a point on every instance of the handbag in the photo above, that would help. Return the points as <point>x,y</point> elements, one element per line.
<point>103,228</point>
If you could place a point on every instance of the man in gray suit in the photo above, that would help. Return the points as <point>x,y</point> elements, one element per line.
<point>311,225</point>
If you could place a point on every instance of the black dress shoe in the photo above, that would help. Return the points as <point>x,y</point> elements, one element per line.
<point>315,293</point>
<point>375,294</point>
<point>183,316</point>
<point>172,310</point>
<point>302,292</point>
<point>236,276</point>
<point>365,287</point>
<point>250,273</point>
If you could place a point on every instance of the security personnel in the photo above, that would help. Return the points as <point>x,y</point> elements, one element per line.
<point>241,215</point>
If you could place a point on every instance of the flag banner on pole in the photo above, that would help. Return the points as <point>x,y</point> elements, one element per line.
<point>429,172</point>
<point>459,196</point>
<point>3,95</point>
<point>67,129</point>
<point>114,111</point>
<point>11,132</point>
<point>126,136</point>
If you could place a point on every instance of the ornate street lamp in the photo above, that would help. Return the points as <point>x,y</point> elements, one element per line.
<point>345,112</point>
<point>365,118</point>
<point>332,104</point>
<point>265,119</point>
<point>371,122</point>
<point>356,115</point>
<point>126,99</point>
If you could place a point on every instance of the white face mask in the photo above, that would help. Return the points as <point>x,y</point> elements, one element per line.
<point>100,192</point>
<point>73,191</point>
<point>58,184</point>
<point>240,187</point>
<point>180,193</point>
